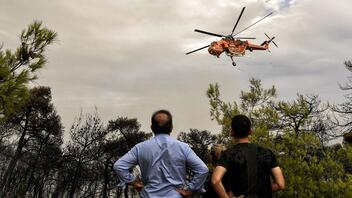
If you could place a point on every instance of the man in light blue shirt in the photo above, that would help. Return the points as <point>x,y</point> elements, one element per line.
<point>163,161</point>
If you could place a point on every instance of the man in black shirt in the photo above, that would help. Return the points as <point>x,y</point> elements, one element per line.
<point>248,166</point>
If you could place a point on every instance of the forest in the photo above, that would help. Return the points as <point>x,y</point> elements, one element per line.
<point>35,160</point>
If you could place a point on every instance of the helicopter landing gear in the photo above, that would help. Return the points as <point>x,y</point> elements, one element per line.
<point>233,62</point>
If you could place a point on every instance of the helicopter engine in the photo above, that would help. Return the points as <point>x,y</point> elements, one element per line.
<point>216,48</point>
<point>236,48</point>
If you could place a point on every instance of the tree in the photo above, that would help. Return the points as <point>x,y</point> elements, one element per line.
<point>36,124</point>
<point>293,130</point>
<point>306,114</point>
<point>129,129</point>
<point>200,142</point>
<point>344,110</point>
<point>45,155</point>
<point>125,133</point>
<point>86,168</point>
<point>18,68</point>
<point>87,134</point>
<point>255,103</point>
<point>310,170</point>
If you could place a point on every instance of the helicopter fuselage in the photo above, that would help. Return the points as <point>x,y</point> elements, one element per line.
<point>233,47</point>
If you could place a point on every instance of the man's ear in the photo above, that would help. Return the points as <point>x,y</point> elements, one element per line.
<point>250,132</point>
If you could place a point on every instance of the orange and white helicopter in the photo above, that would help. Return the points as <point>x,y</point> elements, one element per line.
<point>233,46</point>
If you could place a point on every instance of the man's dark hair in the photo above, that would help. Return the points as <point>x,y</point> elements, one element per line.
<point>241,126</point>
<point>159,127</point>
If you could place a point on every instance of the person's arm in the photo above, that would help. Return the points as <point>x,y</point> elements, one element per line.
<point>276,173</point>
<point>123,165</point>
<point>216,178</point>
<point>199,169</point>
<point>278,177</point>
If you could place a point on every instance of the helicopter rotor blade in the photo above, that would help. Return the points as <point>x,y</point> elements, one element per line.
<point>253,23</point>
<point>238,20</point>
<point>209,33</point>
<point>275,44</point>
<point>197,50</point>
<point>267,35</point>
<point>244,38</point>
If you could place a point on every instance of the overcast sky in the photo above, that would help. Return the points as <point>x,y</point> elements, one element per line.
<point>127,57</point>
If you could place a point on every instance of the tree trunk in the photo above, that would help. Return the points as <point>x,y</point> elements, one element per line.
<point>36,187</point>
<point>33,167</point>
<point>118,192</point>
<point>126,191</point>
<point>87,192</point>
<point>60,187</point>
<point>75,180</point>
<point>10,168</point>
<point>30,181</point>
<point>95,185</point>
<point>106,178</point>
<point>42,184</point>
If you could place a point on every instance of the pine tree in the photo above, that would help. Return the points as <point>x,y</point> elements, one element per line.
<point>295,131</point>
<point>38,127</point>
<point>19,67</point>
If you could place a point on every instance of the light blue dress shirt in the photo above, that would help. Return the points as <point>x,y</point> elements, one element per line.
<point>163,161</point>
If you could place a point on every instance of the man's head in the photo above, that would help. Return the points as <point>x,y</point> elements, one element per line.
<point>161,122</point>
<point>215,152</point>
<point>241,126</point>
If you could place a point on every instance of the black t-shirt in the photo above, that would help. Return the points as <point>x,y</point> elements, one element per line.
<point>233,159</point>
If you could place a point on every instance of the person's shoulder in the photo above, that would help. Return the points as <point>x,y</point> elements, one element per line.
<point>144,143</point>
<point>265,153</point>
<point>182,147</point>
<point>263,149</point>
<point>233,150</point>
<point>180,143</point>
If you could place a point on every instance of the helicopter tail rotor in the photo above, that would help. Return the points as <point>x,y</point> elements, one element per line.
<point>271,40</point>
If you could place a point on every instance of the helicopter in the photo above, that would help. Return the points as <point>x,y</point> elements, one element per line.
<point>232,45</point>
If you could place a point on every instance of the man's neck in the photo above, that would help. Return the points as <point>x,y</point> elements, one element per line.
<point>161,134</point>
<point>242,140</point>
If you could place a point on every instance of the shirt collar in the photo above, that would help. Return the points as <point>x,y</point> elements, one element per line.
<point>161,135</point>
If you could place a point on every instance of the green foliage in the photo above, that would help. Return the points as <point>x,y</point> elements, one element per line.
<point>296,131</point>
<point>200,142</point>
<point>18,68</point>
<point>256,96</point>
<point>255,103</point>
